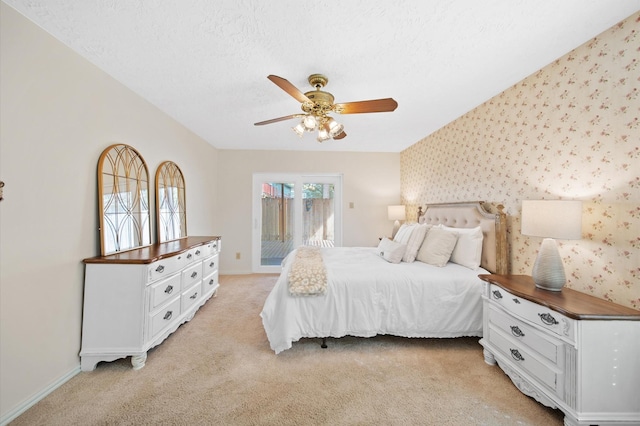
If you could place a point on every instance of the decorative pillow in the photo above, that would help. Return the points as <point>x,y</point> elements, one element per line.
<point>437,247</point>
<point>404,233</point>
<point>391,251</point>
<point>468,249</point>
<point>415,241</point>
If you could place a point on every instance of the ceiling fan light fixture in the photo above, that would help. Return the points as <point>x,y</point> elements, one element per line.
<point>299,129</point>
<point>335,128</point>
<point>323,135</point>
<point>309,122</point>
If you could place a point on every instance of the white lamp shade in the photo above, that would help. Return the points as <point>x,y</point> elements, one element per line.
<point>396,212</point>
<point>561,219</point>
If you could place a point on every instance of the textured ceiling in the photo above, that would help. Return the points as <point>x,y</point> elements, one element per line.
<point>205,63</point>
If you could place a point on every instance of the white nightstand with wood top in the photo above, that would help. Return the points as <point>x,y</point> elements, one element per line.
<point>568,350</point>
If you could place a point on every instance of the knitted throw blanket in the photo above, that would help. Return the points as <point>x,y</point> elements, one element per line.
<point>308,275</point>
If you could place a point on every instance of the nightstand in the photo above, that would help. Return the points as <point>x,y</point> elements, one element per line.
<point>567,350</point>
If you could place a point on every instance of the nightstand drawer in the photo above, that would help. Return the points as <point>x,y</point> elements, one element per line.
<point>524,358</point>
<point>534,313</point>
<point>551,349</point>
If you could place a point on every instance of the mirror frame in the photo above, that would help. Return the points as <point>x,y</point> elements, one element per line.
<point>171,213</point>
<point>130,227</point>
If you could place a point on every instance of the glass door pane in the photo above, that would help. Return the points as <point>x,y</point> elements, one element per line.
<point>277,230</point>
<point>318,217</point>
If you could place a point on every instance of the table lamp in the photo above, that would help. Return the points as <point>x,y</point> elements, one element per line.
<point>561,219</point>
<point>396,213</point>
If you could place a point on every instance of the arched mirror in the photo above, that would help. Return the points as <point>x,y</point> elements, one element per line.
<point>171,207</point>
<point>123,183</point>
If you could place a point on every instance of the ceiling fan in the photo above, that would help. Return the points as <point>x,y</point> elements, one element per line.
<point>317,104</point>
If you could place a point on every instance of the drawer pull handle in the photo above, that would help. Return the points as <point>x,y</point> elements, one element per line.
<point>548,319</point>
<point>212,264</point>
<point>516,301</point>
<point>194,295</point>
<point>516,355</point>
<point>211,281</point>
<point>194,274</point>
<point>515,330</point>
<point>497,294</point>
<point>168,315</point>
<point>169,289</point>
<point>160,269</point>
<point>197,252</point>
<point>189,256</point>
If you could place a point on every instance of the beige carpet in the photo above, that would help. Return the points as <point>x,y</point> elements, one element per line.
<point>219,369</point>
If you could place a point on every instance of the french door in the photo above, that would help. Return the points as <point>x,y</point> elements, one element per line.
<point>290,210</point>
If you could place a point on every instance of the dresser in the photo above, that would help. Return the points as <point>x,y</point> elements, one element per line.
<point>567,350</point>
<point>133,300</point>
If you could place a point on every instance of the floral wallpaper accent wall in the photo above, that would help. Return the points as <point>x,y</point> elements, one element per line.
<point>569,131</point>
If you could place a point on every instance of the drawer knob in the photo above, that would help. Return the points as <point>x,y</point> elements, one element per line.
<point>548,319</point>
<point>515,330</point>
<point>169,289</point>
<point>212,264</point>
<point>211,281</point>
<point>516,355</point>
<point>168,315</point>
<point>194,274</point>
<point>516,301</point>
<point>197,252</point>
<point>189,256</point>
<point>160,269</point>
<point>497,294</point>
<point>194,295</point>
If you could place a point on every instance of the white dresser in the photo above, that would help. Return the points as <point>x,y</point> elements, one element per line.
<point>567,350</point>
<point>134,300</point>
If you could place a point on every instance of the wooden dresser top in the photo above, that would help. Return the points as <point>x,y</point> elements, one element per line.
<point>568,302</point>
<point>154,252</point>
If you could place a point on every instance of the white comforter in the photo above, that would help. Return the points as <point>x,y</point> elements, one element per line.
<point>366,296</point>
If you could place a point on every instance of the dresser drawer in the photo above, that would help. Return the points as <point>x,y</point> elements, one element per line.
<point>190,297</point>
<point>165,316</point>
<point>163,290</point>
<point>525,358</point>
<point>536,314</point>
<point>192,275</point>
<point>210,283</point>
<point>210,265</point>
<point>551,349</point>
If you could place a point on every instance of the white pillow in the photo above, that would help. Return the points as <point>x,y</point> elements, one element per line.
<point>468,249</point>
<point>437,247</point>
<point>391,251</point>
<point>404,233</point>
<point>415,241</point>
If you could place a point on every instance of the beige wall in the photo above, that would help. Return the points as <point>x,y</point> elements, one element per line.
<point>371,181</point>
<point>571,130</point>
<point>58,113</point>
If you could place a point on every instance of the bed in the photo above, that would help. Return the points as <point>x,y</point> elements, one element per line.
<point>366,291</point>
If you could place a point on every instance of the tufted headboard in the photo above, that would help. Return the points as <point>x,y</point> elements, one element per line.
<point>470,215</point>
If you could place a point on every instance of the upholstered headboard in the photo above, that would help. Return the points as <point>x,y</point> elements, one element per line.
<point>470,215</point>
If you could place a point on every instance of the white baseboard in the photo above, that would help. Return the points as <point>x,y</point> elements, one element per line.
<point>13,414</point>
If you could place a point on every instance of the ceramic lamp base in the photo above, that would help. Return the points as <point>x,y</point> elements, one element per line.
<point>548,271</point>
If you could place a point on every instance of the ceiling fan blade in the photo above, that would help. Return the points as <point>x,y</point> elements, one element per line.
<point>340,136</point>
<point>275,120</point>
<point>289,88</point>
<point>375,105</point>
